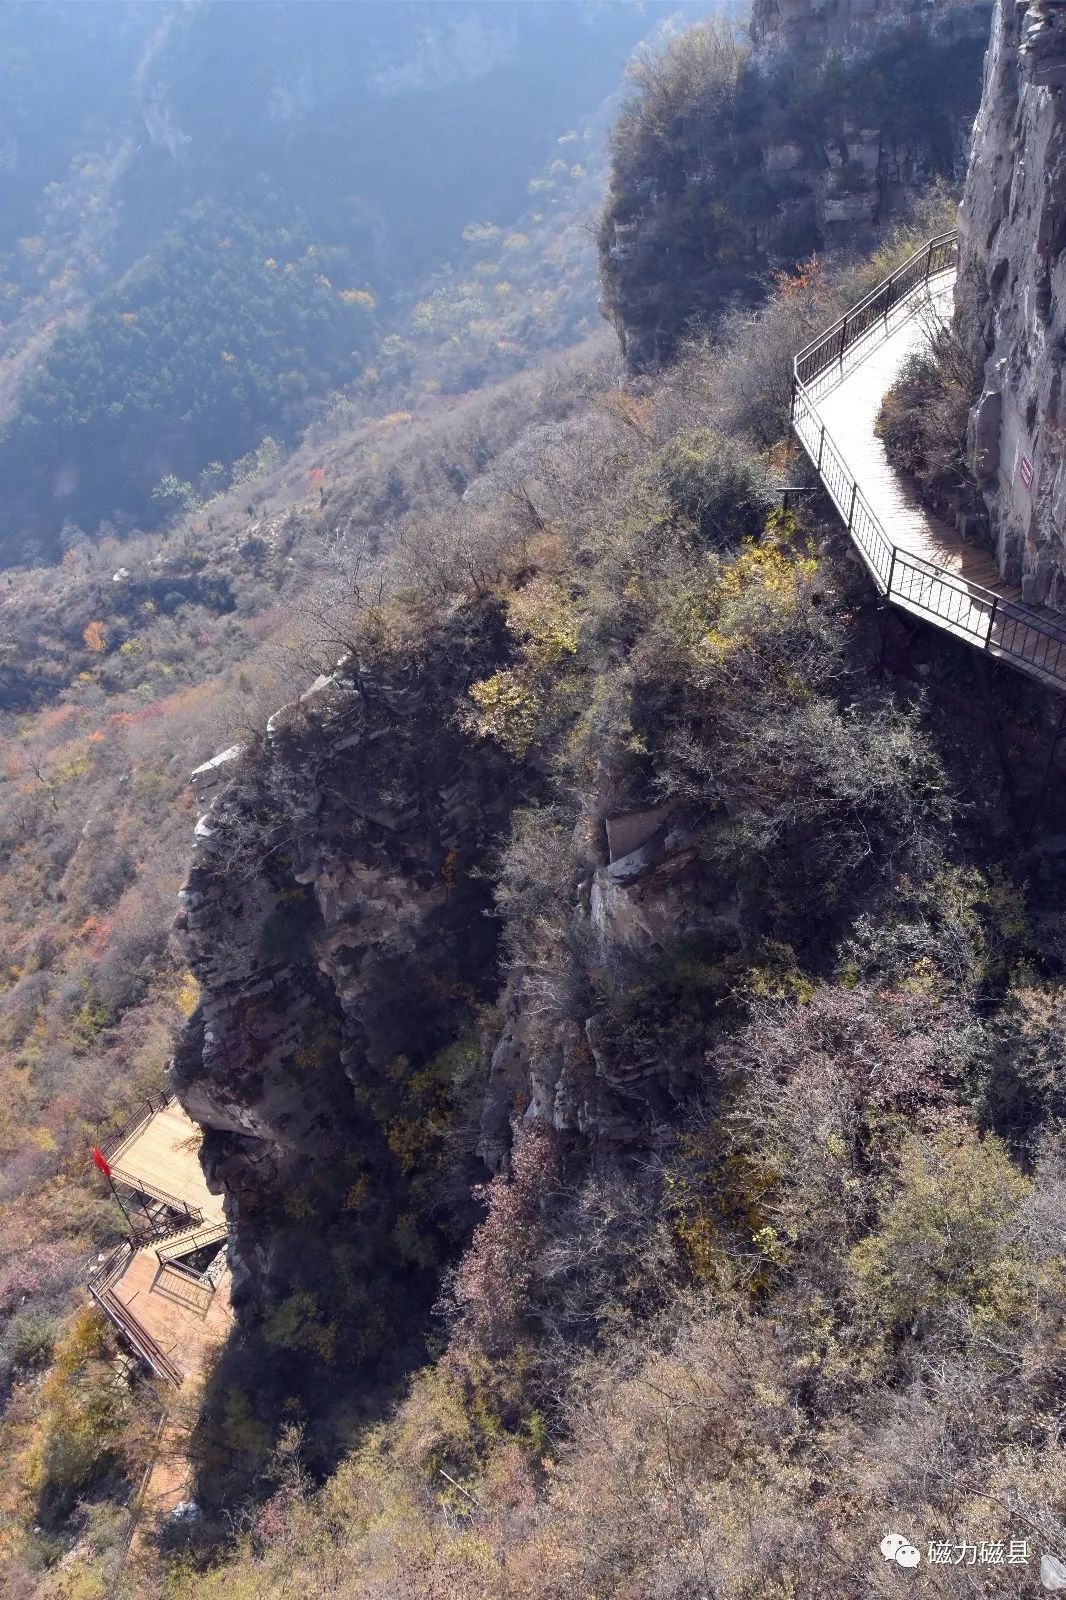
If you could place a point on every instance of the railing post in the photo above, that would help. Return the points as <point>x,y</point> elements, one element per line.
<point>851,508</point>
<point>821,447</point>
<point>991,621</point>
<point>891,573</point>
<point>843,341</point>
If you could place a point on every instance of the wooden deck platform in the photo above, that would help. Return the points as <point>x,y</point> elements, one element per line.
<point>186,1323</point>
<point>147,1290</point>
<point>173,1317</point>
<point>163,1154</point>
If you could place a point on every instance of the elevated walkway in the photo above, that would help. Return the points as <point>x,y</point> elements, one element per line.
<point>916,561</point>
<point>159,1156</point>
<point>169,1312</point>
<point>173,1321</point>
<point>188,1241</point>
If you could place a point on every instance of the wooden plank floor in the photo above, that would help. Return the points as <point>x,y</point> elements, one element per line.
<point>849,407</point>
<point>183,1330</point>
<point>187,1321</point>
<point>165,1152</point>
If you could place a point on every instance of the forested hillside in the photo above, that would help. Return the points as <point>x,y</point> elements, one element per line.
<point>625,1022</point>
<point>207,209</point>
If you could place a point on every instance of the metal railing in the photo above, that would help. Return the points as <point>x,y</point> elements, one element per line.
<point>134,1124</point>
<point>101,1283</point>
<point>157,1226</point>
<point>190,1214</point>
<point>190,1289</point>
<point>871,314</point>
<point>189,1240</point>
<point>981,616</point>
<point>106,1272</point>
<point>138,1336</point>
<point>120,1140</point>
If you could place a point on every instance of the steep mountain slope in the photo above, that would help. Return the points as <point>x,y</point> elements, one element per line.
<point>600,948</point>
<point>217,224</point>
<point>775,1010</point>
<point>95,819</point>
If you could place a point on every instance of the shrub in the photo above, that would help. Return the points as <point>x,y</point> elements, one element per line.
<point>509,709</point>
<point>923,421</point>
<point>950,1240</point>
<point>513,705</point>
<point>822,1089</point>
<point>491,1289</point>
<point>1022,1069</point>
<point>714,484</point>
<point>736,699</point>
<point>696,77</point>
<point>86,1408</point>
<point>31,1337</point>
<point>536,871</point>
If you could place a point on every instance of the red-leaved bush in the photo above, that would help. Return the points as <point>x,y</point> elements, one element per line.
<point>490,1292</point>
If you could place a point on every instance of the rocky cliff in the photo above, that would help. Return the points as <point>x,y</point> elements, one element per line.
<point>814,27</point>
<point>1012,293</point>
<point>334,919</point>
<point>360,1057</point>
<point>411,939</point>
<point>733,164</point>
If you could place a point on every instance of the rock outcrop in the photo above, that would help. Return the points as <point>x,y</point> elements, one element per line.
<point>335,920</point>
<point>640,894</point>
<point>338,915</point>
<point>844,112</point>
<point>814,27</point>
<point>1012,294</point>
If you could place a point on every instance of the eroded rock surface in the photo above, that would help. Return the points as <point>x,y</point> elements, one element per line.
<point>335,920</point>
<point>1012,293</point>
<point>339,917</point>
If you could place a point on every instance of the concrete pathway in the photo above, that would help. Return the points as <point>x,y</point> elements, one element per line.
<point>931,571</point>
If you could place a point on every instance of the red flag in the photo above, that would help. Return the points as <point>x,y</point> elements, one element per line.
<point>100,1160</point>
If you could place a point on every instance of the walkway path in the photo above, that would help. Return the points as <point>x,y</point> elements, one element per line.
<point>146,1289</point>
<point>187,1322</point>
<point>917,561</point>
<point>174,1317</point>
<point>163,1155</point>
<point>849,411</point>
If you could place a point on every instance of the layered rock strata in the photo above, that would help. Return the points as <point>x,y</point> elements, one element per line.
<point>338,915</point>
<point>1011,294</point>
<point>341,937</point>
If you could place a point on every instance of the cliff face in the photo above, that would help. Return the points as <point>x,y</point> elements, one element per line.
<point>841,115</point>
<point>342,945</point>
<point>813,27</point>
<point>1012,293</point>
<point>353,1062</point>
